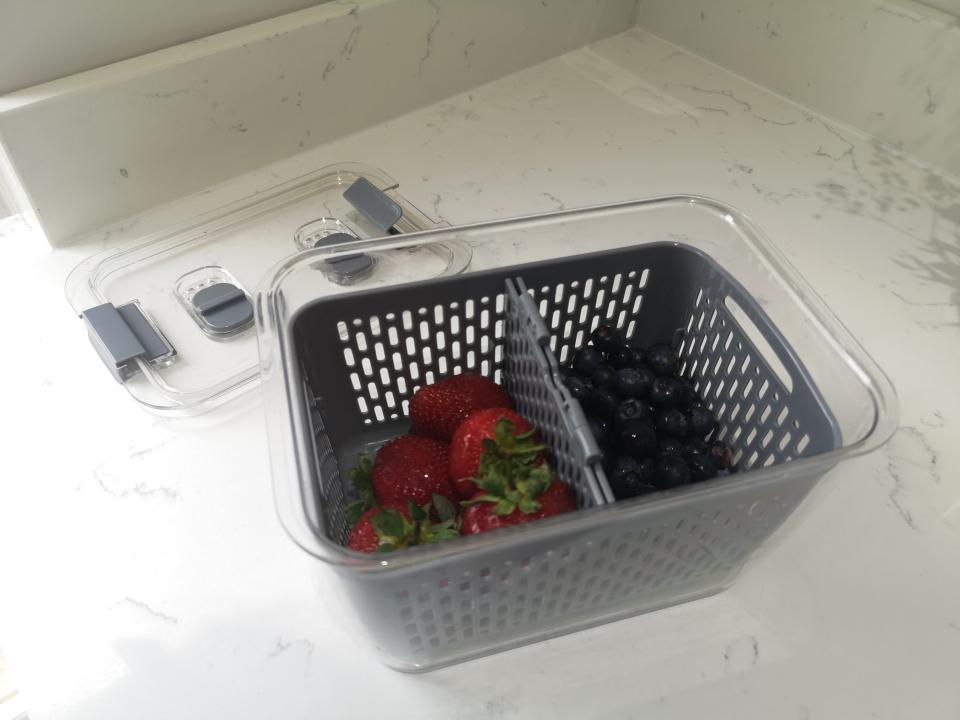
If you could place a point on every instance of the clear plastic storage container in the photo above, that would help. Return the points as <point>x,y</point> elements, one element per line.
<point>794,393</point>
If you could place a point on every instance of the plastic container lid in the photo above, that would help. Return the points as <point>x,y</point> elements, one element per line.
<point>194,283</point>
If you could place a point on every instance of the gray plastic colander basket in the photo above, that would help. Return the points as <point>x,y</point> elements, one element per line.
<point>363,355</point>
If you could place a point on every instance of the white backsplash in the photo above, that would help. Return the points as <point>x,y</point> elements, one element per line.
<point>112,142</point>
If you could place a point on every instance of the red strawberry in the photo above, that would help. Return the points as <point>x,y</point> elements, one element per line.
<point>467,444</point>
<point>486,515</point>
<point>481,518</point>
<point>364,536</point>
<point>515,485</point>
<point>412,468</point>
<point>436,410</point>
<point>556,500</point>
<point>398,525</point>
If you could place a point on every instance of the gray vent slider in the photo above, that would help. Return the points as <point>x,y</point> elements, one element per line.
<point>374,204</point>
<point>223,308</point>
<point>122,335</point>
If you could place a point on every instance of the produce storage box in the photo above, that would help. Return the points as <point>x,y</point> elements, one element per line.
<point>794,394</point>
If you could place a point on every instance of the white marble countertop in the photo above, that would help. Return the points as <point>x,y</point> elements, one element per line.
<point>146,576</point>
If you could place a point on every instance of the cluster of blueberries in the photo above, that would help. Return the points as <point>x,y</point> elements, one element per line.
<point>649,421</point>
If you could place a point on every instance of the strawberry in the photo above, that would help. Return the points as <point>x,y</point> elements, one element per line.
<point>485,514</point>
<point>397,525</point>
<point>481,518</point>
<point>467,444</point>
<point>557,499</point>
<point>515,485</point>
<point>411,468</point>
<point>361,479</point>
<point>436,410</point>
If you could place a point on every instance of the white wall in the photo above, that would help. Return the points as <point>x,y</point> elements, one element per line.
<point>109,143</point>
<point>887,67</point>
<point>42,40</point>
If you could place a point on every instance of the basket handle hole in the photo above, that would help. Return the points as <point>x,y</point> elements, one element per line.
<point>760,342</point>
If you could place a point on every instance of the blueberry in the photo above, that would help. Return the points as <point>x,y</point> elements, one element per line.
<point>670,446</point>
<point>647,468</point>
<point>631,382</point>
<point>662,359</point>
<point>628,479</point>
<point>603,402</point>
<point>722,456</point>
<point>701,421</point>
<point>672,423</point>
<point>602,430</point>
<point>606,338</point>
<point>701,467</point>
<point>638,439</point>
<point>623,464</point>
<point>670,472</point>
<point>664,392</point>
<point>580,389</point>
<point>603,376</point>
<point>586,359</point>
<point>696,447</point>
<point>686,394</point>
<point>633,409</point>
<point>630,485</point>
<point>638,355</point>
<point>621,357</point>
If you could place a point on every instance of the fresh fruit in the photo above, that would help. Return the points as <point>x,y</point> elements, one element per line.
<point>396,525</point>
<point>586,359</point>
<point>662,359</point>
<point>631,485</point>
<point>603,376</point>
<point>411,467</point>
<point>629,478</point>
<point>557,499</point>
<point>696,447</point>
<point>436,410</point>
<point>578,387</point>
<point>647,468</point>
<point>482,518</point>
<point>514,483</point>
<point>722,456</point>
<point>700,466</point>
<point>671,471</point>
<point>672,423</point>
<point>602,430</point>
<point>686,394</point>
<point>664,392</point>
<point>606,338</point>
<point>701,422</point>
<point>623,465</point>
<point>669,446</point>
<point>473,438</point>
<point>648,411</point>
<point>603,402</point>
<point>361,477</point>
<point>364,536</point>
<point>632,409</point>
<point>637,439</point>
<point>638,355</point>
<point>621,357</point>
<point>486,514</point>
<point>633,382</point>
